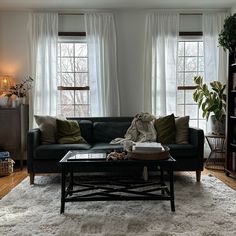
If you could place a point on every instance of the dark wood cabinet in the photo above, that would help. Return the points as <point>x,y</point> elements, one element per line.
<point>231,118</point>
<point>13,131</point>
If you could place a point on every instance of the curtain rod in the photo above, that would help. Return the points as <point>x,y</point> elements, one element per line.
<point>191,14</point>
<point>71,14</point>
<point>81,14</point>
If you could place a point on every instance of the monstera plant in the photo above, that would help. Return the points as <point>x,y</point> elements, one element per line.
<point>211,101</point>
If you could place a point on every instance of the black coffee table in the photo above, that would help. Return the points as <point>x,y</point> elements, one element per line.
<point>110,188</point>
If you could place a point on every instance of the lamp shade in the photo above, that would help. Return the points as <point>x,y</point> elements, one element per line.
<point>6,82</point>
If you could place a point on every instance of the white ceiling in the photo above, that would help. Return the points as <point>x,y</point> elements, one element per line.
<point>83,4</point>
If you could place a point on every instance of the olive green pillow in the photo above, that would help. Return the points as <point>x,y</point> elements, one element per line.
<point>165,127</point>
<point>68,131</point>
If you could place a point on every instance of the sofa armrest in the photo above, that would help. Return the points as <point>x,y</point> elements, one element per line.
<point>33,141</point>
<point>196,138</point>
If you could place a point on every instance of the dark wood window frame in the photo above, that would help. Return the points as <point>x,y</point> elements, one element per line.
<point>80,34</point>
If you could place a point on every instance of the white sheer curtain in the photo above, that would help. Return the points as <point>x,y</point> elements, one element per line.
<point>160,58</point>
<point>43,33</point>
<point>215,57</point>
<point>102,54</point>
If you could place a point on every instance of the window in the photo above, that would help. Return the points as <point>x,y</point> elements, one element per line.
<point>73,82</point>
<point>190,64</point>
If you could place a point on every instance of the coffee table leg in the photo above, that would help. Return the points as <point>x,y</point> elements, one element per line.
<point>63,185</point>
<point>71,183</point>
<point>172,195</point>
<point>162,181</point>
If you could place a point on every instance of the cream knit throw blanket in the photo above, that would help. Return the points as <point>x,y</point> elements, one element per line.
<point>141,130</point>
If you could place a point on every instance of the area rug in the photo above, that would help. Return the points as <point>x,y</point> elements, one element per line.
<point>207,208</point>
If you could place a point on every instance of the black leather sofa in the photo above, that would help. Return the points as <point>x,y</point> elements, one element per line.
<point>98,132</point>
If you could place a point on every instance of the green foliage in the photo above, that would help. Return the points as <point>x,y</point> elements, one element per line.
<point>227,37</point>
<point>210,101</point>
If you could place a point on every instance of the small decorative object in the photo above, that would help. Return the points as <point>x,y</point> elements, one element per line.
<point>227,37</point>
<point>116,156</point>
<point>211,102</point>
<point>6,167</point>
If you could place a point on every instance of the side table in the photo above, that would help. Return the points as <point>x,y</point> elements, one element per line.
<point>216,158</point>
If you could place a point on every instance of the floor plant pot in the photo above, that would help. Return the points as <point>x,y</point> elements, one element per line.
<point>217,126</point>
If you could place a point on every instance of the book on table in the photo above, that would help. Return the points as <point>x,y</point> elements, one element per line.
<point>4,155</point>
<point>148,147</point>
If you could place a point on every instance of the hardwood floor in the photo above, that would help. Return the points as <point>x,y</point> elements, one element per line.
<point>230,181</point>
<point>7,183</point>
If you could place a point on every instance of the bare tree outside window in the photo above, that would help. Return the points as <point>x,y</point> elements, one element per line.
<point>73,84</point>
<point>190,64</point>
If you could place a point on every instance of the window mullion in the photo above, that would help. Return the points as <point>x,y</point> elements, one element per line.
<point>74,74</point>
<point>194,66</point>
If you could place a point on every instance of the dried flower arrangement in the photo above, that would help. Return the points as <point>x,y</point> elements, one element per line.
<point>21,89</point>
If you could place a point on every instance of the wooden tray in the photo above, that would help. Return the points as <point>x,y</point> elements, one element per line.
<point>145,155</point>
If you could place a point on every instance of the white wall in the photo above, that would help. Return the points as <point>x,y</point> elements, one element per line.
<point>233,9</point>
<point>130,45</point>
<point>13,44</point>
<point>130,26</point>
<point>71,23</point>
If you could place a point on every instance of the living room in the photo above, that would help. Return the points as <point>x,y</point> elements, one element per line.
<point>116,63</point>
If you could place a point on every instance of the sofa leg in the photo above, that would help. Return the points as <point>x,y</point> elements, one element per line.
<point>32,178</point>
<point>198,175</point>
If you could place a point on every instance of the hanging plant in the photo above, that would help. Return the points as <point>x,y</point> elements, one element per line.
<point>227,37</point>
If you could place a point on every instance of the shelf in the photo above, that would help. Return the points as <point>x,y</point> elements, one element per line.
<point>233,145</point>
<point>233,117</point>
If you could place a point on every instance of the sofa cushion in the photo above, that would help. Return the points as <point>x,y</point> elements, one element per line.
<point>86,128</point>
<point>165,127</point>
<point>106,147</point>
<point>68,131</point>
<point>57,151</point>
<point>182,130</point>
<point>48,128</point>
<point>183,150</point>
<point>104,132</point>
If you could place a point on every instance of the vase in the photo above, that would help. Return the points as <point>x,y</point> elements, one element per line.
<point>218,126</point>
<point>24,100</point>
<point>3,101</point>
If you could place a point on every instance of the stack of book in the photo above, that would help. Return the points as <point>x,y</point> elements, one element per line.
<point>148,147</point>
<point>4,155</point>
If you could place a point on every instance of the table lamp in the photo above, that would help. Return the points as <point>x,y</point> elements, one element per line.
<point>5,84</point>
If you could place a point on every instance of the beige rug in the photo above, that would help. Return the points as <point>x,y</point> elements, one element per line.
<point>207,208</point>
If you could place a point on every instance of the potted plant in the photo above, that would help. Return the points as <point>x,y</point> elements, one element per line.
<point>227,37</point>
<point>211,102</point>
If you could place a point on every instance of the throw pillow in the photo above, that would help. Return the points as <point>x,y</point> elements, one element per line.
<point>47,126</point>
<point>68,131</point>
<point>165,127</point>
<point>182,126</point>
